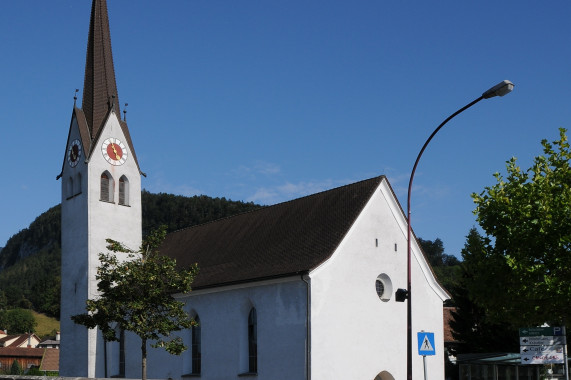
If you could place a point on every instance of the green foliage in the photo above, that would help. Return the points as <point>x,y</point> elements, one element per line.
<point>3,300</point>
<point>44,232</point>
<point>30,265</point>
<point>434,251</point>
<point>177,212</point>
<point>35,371</point>
<point>472,325</point>
<point>528,216</point>
<point>16,369</point>
<point>136,294</point>
<point>17,321</point>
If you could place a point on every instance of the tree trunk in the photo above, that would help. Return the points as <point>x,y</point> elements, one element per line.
<point>144,359</point>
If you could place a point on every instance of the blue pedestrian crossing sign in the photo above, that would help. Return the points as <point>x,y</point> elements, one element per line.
<point>426,343</point>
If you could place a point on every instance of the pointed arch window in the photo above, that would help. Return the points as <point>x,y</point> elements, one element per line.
<point>69,190</point>
<point>196,346</point>
<point>107,187</point>
<point>77,188</point>
<point>123,191</point>
<point>253,341</point>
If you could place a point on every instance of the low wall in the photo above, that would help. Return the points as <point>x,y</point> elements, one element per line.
<point>24,377</point>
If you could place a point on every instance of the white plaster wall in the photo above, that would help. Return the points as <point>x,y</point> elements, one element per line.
<point>74,263</point>
<point>281,308</point>
<point>86,223</point>
<point>355,335</point>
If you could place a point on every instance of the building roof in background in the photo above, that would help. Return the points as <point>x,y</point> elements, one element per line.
<point>50,362</point>
<point>448,317</point>
<point>19,340</point>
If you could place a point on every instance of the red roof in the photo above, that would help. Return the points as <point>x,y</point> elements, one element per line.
<point>448,337</point>
<point>20,340</point>
<point>22,352</point>
<point>50,362</point>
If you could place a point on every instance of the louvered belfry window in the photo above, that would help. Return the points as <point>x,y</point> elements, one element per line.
<point>106,188</point>
<point>123,191</point>
<point>77,188</point>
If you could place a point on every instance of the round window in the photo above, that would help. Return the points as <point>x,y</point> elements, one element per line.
<point>384,287</point>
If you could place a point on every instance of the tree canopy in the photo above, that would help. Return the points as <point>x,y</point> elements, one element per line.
<point>526,217</point>
<point>17,321</point>
<point>136,295</point>
<point>471,324</point>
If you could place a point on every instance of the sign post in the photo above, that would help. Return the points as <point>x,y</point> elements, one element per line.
<point>544,345</point>
<point>425,347</point>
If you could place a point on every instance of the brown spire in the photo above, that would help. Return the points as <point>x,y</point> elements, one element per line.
<point>99,87</point>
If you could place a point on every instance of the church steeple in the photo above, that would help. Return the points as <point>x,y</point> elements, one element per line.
<point>99,87</point>
<point>100,199</point>
<point>100,95</point>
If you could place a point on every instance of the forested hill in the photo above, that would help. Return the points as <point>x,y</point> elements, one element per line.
<point>30,261</point>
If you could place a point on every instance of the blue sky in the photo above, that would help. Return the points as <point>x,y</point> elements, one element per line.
<point>267,101</point>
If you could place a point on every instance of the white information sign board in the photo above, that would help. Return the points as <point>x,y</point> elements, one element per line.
<point>553,358</point>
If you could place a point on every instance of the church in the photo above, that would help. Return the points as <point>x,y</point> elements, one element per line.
<point>304,289</point>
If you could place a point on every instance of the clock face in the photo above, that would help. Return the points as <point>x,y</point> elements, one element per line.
<point>74,153</point>
<point>114,151</point>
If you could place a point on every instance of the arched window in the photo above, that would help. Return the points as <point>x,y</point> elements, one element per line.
<point>107,188</point>
<point>384,376</point>
<point>69,190</point>
<point>196,346</point>
<point>78,184</point>
<point>123,191</point>
<point>252,341</point>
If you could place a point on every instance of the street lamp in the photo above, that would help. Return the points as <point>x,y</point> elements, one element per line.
<point>501,89</point>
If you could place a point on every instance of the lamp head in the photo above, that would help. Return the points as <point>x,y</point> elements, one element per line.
<point>500,89</point>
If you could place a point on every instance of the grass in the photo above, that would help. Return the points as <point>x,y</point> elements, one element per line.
<point>45,325</point>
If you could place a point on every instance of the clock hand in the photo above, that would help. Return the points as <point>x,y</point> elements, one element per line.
<point>115,151</point>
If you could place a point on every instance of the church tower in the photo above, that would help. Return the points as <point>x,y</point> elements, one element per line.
<point>101,198</point>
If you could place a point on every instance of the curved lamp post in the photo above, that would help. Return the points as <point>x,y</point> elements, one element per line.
<point>501,89</point>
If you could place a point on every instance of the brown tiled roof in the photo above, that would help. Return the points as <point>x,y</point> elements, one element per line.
<point>22,352</point>
<point>448,337</point>
<point>285,239</point>
<point>6,338</point>
<point>99,84</point>
<point>50,362</point>
<point>19,340</point>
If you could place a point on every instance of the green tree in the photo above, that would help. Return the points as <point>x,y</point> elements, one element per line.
<point>446,267</point>
<point>18,321</point>
<point>471,325</point>
<point>3,300</point>
<point>434,251</point>
<point>137,295</point>
<point>527,215</point>
<point>16,368</point>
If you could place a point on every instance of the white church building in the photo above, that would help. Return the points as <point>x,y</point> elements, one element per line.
<point>303,289</point>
